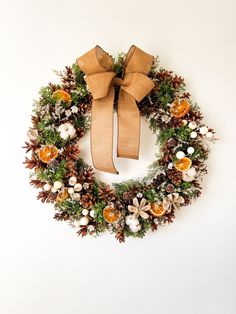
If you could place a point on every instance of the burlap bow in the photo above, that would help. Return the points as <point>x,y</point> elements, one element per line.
<point>134,86</point>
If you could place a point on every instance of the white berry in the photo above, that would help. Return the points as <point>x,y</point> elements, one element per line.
<point>180,155</point>
<point>92,213</point>
<point>190,150</point>
<point>203,130</point>
<point>78,187</point>
<point>84,221</point>
<point>184,122</point>
<point>53,190</point>
<point>76,196</point>
<point>192,125</point>
<point>71,191</point>
<point>76,223</point>
<point>193,134</point>
<point>209,135</point>
<point>85,212</point>
<point>47,187</point>
<point>57,185</point>
<point>72,181</point>
<point>170,165</point>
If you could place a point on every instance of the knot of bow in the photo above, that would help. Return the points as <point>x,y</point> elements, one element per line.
<point>134,86</point>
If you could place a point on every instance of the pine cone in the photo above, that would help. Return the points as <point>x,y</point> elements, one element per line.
<point>86,175</point>
<point>68,80</point>
<point>106,194</point>
<point>80,132</point>
<point>120,236</point>
<point>46,196</point>
<point>31,146</point>
<point>71,152</point>
<point>86,200</point>
<point>34,120</point>
<point>32,163</point>
<point>130,194</point>
<point>175,176</point>
<point>84,107</point>
<point>195,116</point>
<point>160,178</point>
<point>71,168</point>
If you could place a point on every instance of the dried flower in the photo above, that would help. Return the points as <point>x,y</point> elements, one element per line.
<point>139,209</point>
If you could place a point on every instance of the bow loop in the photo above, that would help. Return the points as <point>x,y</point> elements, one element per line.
<point>137,85</point>
<point>99,84</point>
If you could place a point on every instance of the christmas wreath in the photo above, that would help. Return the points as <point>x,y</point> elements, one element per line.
<point>62,116</point>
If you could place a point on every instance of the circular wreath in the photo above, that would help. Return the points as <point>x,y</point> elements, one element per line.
<point>61,117</point>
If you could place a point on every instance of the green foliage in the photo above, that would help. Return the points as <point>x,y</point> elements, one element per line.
<point>46,95</point>
<point>83,122</point>
<point>51,137</point>
<point>71,207</point>
<point>166,93</point>
<point>98,208</point>
<point>182,134</point>
<point>124,186</point>
<point>199,154</point>
<point>51,175</point>
<point>81,91</point>
<point>151,195</point>
<point>119,64</point>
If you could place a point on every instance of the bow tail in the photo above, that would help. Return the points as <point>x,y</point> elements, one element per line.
<point>101,136</point>
<point>128,126</point>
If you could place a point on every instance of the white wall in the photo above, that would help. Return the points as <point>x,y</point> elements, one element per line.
<point>187,267</point>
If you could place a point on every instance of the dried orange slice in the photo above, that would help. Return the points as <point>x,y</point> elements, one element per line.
<point>62,195</point>
<point>183,164</point>
<point>157,210</point>
<point>61,95</point>
<point>111,214</point>
<point>48,153</point>
<point>180,108</point>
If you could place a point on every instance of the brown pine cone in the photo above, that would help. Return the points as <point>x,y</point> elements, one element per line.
<point>86,200</point>
<point>68,80</point>
<point>106,194</point>
<point>80,132</point>
<point>71,168</point>
<point>160,178</point>
<point>86,175</point>
<point>71,152</point>
<point>84,107</point>
<point>175,176</point>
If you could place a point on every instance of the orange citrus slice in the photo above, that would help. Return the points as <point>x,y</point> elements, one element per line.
<point>157,210</point>
<point>183,164</point>
<point>62,195</point>
<point>180,108</point>
<point>110,214</point>
<point>48,153</point>
<point>61,95</point>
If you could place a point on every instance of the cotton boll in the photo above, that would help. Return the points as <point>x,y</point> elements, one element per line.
<point>135,228</point>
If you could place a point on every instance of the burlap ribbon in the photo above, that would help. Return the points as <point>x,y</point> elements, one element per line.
<point>134,86</point>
